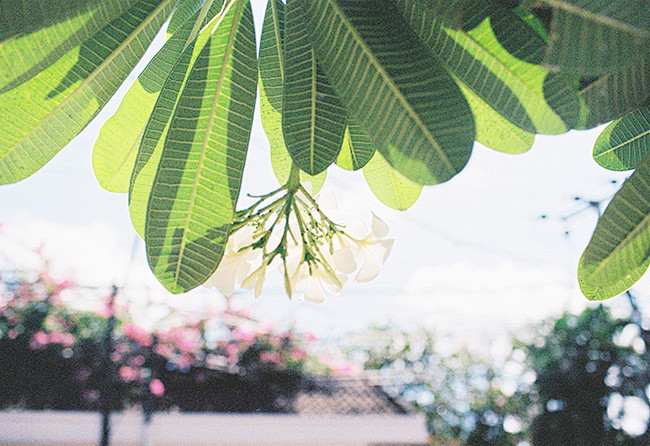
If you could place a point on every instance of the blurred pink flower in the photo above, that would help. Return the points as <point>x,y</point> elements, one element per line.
<point>184,338</point>
<point>185,361</point>
<point>232,350</point>
<point>347,368</point>
<point>103,309</point>
<point>137,333</point>
<point>241,334</point>
<point>298,354</point>
<point>163,350</point>
<point>273,357</point>
<point>157,387</point>
<point>137,361</point>
<point>39,340</point>
<point>66,339</point>
<point>275,341</point>
<point>128,374</point>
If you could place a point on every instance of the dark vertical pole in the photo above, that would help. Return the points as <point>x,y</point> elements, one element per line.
<point>107,371</point>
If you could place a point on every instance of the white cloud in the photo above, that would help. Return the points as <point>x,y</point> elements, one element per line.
<point>465,295</point>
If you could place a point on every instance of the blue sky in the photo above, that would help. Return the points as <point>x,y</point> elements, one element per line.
<point>471,254</point>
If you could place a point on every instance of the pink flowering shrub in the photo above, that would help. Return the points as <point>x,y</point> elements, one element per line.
<point>51,356</point>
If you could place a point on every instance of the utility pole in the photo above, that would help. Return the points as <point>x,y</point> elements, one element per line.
<point>108,377</point>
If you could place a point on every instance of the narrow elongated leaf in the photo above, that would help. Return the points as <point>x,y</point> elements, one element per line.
<point>271,56</point>
<point>619,251</point>
<point>505,82</point>
<point>156,130</point>
<point>597,36</point>
<point>195,191</point>
<point>357,148</point>
<point>271,68</point>
<point>612,96</point>
<point>400,96</point>
<point>313,118</point>
<point>626,142</point>
<point>116,148</point>
<point>452,13</point>
<point>183,12</point>
<point>37,33</point>
<point>389,186</point>
<point>42,115</point>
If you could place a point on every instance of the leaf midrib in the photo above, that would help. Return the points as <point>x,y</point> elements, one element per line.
<point>312,128</point>
<point>626,142</point>
<point>215,100</point>
<point>391,84</point>
<point>599,18</point>
<point>100,68</point>
<point>643,224</point>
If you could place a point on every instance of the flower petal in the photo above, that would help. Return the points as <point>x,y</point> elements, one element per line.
<point>223,280</point>
<point>380,248</point>
<point>314,292</point>
<point>345,261</point>
<point>356,229</point>
<point>388,246</point>
<point>327,200</point>
<point>334,288</point>
<point>369,269</point>
<point>379,228</point>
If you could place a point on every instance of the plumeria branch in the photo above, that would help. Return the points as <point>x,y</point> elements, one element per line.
<point>315,253</point>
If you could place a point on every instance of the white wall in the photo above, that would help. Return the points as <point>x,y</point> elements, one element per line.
<point>83,428</point>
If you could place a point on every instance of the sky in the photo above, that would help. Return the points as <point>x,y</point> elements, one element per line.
<point>473,255</point>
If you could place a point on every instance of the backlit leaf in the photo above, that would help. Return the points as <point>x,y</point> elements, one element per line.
<point>197,184</point>
<point>619,251</point>
<point>400,96</point>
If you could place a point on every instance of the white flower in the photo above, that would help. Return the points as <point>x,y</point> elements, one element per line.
<point>256,280</point>
<point>236,262</point>
<point>320,281</point>
<point>313,282</point>
<point>363,248</point>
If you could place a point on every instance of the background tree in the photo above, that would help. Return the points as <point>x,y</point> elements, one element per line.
<point>584,366</point>
<point>468,398</point>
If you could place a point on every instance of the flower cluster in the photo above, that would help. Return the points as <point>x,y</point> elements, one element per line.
<point>313,254</point>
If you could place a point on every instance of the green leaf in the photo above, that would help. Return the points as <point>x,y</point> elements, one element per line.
<point>389,186</point>
<point>612,96</point>
<point>400,96</point>
<point>42,115</point>
<point>183,12</point>
<point>271,57</point>
<point>156,130</point>
<point>313,119</point>
<point>37,33</point>
<point>597,36</point>
<point>357,148</point>
<point>116,148</point>
<point>619,251</point>
<point>493,130</point>
<point>453,13</point>
<point>197,184</point>
<point>281,164</point>
<point>510,84</point>
<point>624,143</point>
<point>271,70</point>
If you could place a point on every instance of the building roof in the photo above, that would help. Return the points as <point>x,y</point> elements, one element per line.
<point>343,396</point>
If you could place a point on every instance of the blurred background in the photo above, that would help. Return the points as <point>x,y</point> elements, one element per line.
<point>475,320</point>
